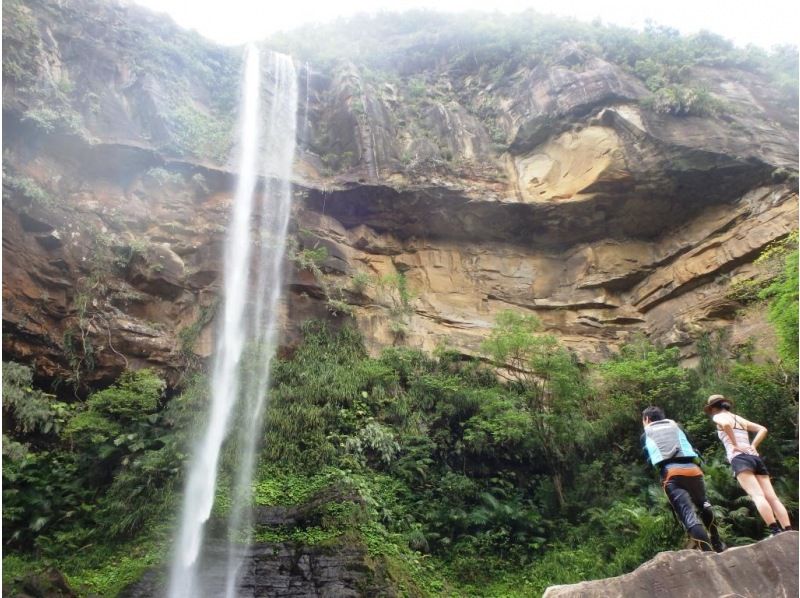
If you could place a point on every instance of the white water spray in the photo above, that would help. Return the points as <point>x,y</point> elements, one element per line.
<point>253,282</point>
<point>304,133</point>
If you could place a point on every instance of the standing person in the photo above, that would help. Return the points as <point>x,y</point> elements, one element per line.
<point>748,467</point>
<point>667,447</point>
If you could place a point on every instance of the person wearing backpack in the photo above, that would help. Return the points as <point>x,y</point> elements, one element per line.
<point>667,448</point>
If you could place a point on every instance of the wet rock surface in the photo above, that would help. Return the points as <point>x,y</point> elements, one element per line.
<point>284,570</point>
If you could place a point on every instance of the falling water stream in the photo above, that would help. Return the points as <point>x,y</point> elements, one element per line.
<point>246,335</point>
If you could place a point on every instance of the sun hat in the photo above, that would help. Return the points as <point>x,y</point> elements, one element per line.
<point>715,400</point>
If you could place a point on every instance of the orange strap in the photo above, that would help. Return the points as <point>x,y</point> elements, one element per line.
<point>689,471</point>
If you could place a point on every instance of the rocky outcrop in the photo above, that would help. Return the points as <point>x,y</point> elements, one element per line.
<point>767,568</point>
<point>594,295</point>
<point>552,189</point>
<point>50,583</point>
<point>340,566</point>
<point>286,570</point>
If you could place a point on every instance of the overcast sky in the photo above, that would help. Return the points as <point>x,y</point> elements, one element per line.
<point>763,22</point>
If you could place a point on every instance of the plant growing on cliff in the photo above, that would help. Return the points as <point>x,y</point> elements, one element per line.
<point>50,120</point>
<point>339,307</point>
<point>550,382</point>
<point>27,189</point>
<point>164,177</point>
<point>680,100</point>
<point>22,45</point>
<point>201,134</point>
<point>311,258</point>
<point>783,310</point>
<point>360,281</point>
<point>395,290</point>
<point>78,349</point>
<point>27,409</point>
<point>188,335</point>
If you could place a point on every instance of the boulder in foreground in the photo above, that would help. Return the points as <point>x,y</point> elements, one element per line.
<point>766,569</point>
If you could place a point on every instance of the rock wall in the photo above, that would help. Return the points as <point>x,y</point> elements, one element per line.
<point>554,190</point>
<point>767,568</point>
<point>287,570</point>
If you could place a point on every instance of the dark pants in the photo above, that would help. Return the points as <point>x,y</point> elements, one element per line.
<point>687,495</point>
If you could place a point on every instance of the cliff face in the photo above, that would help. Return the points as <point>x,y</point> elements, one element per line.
<point>551,187</point>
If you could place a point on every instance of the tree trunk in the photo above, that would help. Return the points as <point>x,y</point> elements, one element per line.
<point>559,486</point>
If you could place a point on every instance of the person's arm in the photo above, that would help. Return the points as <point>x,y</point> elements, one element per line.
<point>725,422</point>
<point>643,447</point>
<point>646,454</point>
<point>761,432</point>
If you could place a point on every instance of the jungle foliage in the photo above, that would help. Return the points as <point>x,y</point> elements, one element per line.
<point>535,476</point>
<point>464,482</point>
<point>82,480</point>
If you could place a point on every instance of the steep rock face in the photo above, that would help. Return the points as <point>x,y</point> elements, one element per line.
<point>594,295</point>
<point>552,189</point>
<point>767,568</point>
<point>340,567</point>
<point>287,570</point>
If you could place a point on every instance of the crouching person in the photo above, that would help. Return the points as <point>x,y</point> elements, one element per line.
<point>667,448</point>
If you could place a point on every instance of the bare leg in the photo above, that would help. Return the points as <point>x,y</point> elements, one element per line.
<point>747,480</point>
<point>773,500</point>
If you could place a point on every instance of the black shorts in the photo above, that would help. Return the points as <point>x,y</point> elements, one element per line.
<point>742,463</point>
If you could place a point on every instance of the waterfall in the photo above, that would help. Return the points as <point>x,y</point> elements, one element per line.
<point>246,335</point>
<point>304,131</point>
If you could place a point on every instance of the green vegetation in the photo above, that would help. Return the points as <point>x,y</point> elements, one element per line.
<point>459,476</point>
<point>497,45</point>
<point>164,177</point>
<point>783,296</point>
<point>548,378</point>
<point>395,291</point>
<point>201,134</point>
<point>196,81</point>
<point>106,259</point>
<point>49,106</point>
<point>21,43</point>
<point>311,258</point>
<point>360,281</point>
<point>27,189</point>
<point>91,487</point>
<point>49,119</point>
<point>469,477</point>
<point>460,481</point>
<point>684,101</point>
<point>188,335</point>
<point>506,486</point>
<point>338,161</point>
